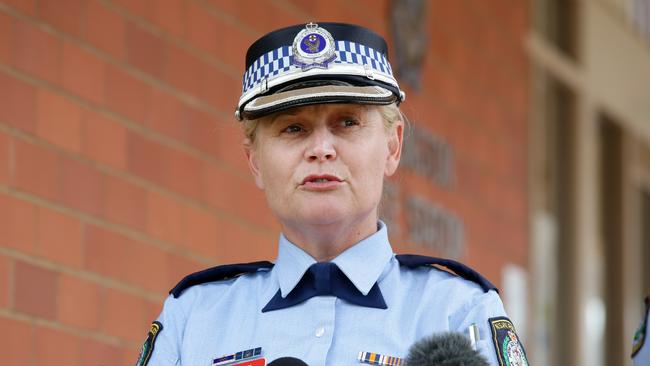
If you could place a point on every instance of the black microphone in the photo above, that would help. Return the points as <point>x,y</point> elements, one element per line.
<point>445,349</point>
<point>287,361</point>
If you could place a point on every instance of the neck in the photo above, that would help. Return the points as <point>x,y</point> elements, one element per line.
<point>325,242</point>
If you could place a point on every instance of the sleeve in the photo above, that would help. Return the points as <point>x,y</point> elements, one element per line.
<point>496,332</point>
<point>164,348</point>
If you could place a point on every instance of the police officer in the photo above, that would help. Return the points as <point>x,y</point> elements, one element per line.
<point>640,348</point>
<point>323,129</point>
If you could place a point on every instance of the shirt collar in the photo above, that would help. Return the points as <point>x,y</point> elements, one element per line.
<point>362,263</point>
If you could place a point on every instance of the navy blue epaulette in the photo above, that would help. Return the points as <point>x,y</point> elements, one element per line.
<point>413,261</point>
<point>218,273</point>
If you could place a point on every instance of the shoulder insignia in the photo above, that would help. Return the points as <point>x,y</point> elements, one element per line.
<point>147,346</point>
<point>413,261</point>
<point>218,273</point>
<point>510,351</point>
<point>642,332</point>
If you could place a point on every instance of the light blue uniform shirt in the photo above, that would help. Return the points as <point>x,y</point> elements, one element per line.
<point>214,319</point>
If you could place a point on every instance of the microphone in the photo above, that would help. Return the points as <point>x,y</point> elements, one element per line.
<point>287,361</point>
<point>445,349</point>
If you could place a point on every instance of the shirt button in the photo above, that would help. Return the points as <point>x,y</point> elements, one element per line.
<point>319,332</point>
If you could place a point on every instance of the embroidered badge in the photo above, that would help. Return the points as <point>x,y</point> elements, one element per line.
<point>510,351</point>
<point>247,355</point>
<point>642,332</point>
<point>313,47</point>
<point>147,347</point>
<point>377,359</point>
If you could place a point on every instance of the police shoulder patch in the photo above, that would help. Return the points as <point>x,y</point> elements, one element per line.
<point>147,346</point>
<point>642,332</point>
<point>510,351</point>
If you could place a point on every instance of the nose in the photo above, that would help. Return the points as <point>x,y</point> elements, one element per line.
<point>321,146</point>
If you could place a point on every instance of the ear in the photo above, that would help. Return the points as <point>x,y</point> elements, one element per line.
<point>251,157</point>
<point>394,148</point>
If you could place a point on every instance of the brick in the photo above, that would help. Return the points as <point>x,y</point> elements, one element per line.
<point>104,140</point>
<point>35,290</point>
<point>128,325</point>
<point>178,267</point>
<point>5,38</point>
<point>146,267</point>
<point>104,251</point>
<point>37,170</point>
<point>203,232</point>
<point>82,187</point>
<point>64,15</point>
<point>233,43</point>
<point>146,158</point>
<point>228,140</point>
<point>98,353</point>
<point>165,218</point>
<point>201,132</point>
<point>24,6</point>
<point>105,29</point>
<point>183,71</point>
<point>116,256</point>
<point>184,174</point>
<point>36,52</point>
<point>140,7</point>
<point>245,244</point>
<point>125,94</point>
<point>169,15</point>
<point>202,30</point>
<point>5,147</point>
<point>145,50</point>
<point>59,237</point>
<point>17,103</point>
<point>152,309</point>
<point>17,224</point>
<point>125,203</point>
<point>59,121</point>
<point>5,278</point>
<point>219,89</point>
<point>79,302</point>
<point>258,16</point>
<point>167,115</point>
<point>56,345</point>
<point>83,73</point>
<point>17,342</point>
<point>236,195</point>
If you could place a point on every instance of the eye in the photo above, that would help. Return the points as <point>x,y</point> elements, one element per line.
<point>293,128</point>
<point>349,122</point>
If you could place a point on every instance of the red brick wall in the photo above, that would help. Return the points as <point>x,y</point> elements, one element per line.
<point>121,168</point>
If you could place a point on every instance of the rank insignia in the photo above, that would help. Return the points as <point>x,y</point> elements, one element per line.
<point>313,47</point>
<point>510,351</point>
<point>641,333</point>
<point>377,359</point>
<point>250,357</point>
<point>147,347</point>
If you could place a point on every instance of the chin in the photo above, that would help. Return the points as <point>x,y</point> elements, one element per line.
<point>323,214</point>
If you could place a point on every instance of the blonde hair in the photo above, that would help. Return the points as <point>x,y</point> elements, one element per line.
<point>390,113</point>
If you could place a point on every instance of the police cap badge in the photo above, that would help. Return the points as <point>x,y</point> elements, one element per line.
<point>313,64</point>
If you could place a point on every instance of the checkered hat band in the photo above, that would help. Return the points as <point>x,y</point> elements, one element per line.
<point>278,62</point>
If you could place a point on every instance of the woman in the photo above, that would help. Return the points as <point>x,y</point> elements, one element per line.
<point>323,130</point>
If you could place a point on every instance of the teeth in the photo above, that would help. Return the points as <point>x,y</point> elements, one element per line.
<point>321,180</point>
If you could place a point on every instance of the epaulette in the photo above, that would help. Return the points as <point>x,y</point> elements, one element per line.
<point>413,261</point>
<point>218,273</point>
